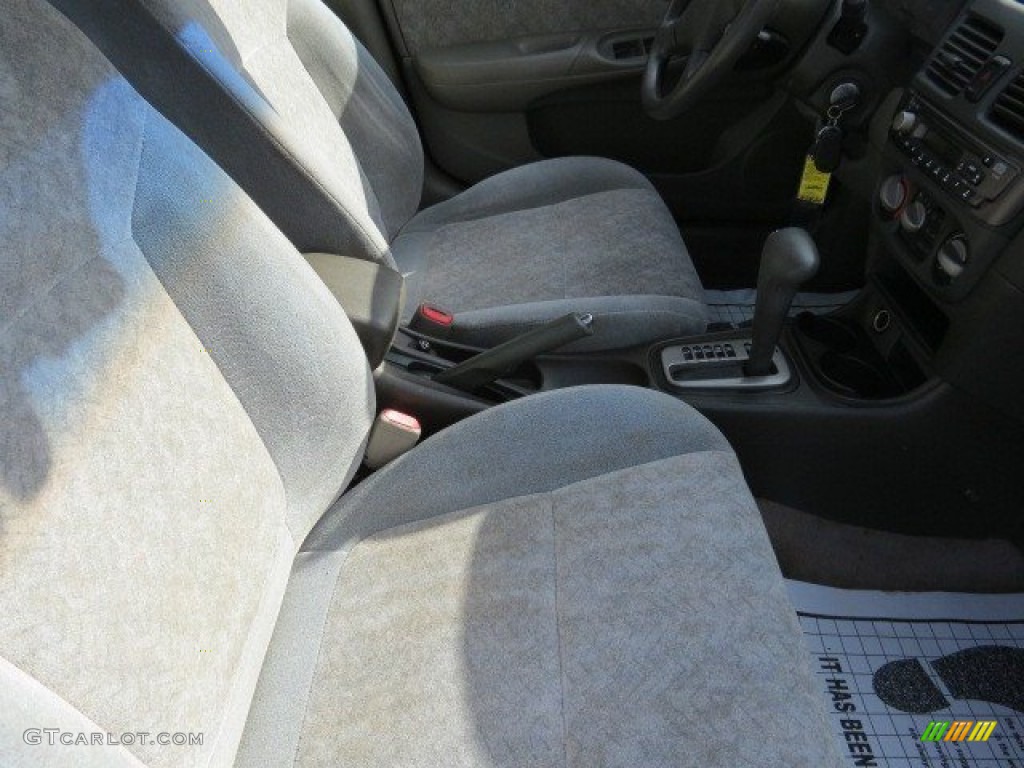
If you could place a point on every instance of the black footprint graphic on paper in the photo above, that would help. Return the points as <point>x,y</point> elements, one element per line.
<point>990,673</point>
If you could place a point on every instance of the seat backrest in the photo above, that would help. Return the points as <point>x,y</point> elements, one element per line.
<point>285,99</point>
<point>180,400</point>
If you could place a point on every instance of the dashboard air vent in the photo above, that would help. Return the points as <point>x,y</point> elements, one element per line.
<point>1008,110</point>
<point>963,53</point>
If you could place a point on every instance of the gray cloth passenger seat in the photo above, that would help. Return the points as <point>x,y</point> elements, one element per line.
<point>576,579</point>
<point>287,100</point>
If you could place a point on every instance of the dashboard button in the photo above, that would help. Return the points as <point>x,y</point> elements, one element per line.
<point>893,194</point>
<point>971,172</point>
<point>904,122</point>
<point>914,217</point>
<point>952,258</point>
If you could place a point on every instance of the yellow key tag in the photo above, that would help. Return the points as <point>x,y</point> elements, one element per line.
<point>813,184</point>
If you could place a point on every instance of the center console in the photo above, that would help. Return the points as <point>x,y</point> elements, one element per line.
<point>944,268</point>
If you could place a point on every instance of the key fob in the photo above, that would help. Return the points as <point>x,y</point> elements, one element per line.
<point>828,149</point>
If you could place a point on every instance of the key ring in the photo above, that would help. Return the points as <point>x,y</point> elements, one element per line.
<point>835,112</point>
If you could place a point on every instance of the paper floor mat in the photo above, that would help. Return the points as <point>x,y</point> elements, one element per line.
<point>918,679</point>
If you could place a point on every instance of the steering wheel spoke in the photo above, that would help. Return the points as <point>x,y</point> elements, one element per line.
<point>666,41</point>
<point>694,62</point>
<point>712,35</point>
<point>673,37</point>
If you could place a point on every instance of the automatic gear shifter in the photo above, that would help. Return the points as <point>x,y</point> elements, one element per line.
<point>790,259</point>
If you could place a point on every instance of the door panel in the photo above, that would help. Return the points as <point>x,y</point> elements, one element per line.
<point>510,75</point>
<point>498,83</point>
<point>442,23</point>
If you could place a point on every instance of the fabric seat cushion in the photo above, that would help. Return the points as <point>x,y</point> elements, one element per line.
<point>537,242</point>
<point>610,599</point>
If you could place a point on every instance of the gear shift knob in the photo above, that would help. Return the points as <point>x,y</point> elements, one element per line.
<point>789,260</point>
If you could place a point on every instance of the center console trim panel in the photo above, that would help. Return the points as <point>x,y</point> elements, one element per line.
<point>725,355</point>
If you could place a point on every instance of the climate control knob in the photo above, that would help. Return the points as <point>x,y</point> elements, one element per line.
<point>952,258</point>
<point>904,123</point>
<point>893,193</point>
<point>914,217</point>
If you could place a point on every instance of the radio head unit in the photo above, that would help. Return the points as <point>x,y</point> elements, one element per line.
<point>961,166</point>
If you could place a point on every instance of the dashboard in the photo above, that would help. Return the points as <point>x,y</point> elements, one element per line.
<point>949,199</point>
<point>956,137</point>
<point>925,19</point>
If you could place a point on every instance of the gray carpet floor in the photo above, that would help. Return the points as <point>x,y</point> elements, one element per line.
<point>810,548</point>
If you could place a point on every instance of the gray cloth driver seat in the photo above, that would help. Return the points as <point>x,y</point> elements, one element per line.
<point>576,234</point>
<point>290,103</point>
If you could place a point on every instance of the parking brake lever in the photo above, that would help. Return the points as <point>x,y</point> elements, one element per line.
<point>505,358</point>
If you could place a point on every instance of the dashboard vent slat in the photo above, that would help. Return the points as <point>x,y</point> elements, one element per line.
<point>963,53</point>
<point>1008,109</point>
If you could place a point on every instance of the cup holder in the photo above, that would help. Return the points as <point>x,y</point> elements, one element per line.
<point>854,376</point>
<point>844,358</point>
<point>835,334</point>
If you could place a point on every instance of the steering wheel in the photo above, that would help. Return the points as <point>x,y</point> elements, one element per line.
<point>712,35</point>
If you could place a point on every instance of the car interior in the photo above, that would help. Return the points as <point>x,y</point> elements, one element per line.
<point>483,383</point>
